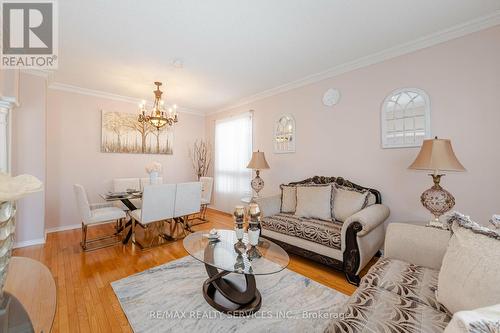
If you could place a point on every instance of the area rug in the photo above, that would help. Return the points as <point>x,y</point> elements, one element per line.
<point>168,298</point>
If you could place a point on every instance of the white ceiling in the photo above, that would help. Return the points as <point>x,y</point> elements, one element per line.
<point>232,49</point>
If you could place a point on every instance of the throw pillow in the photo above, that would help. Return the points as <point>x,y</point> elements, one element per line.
<point>347,201</point>
<point>479,320</point>
<point>314,202</point>
<point>469,275</point>
<point>288,198</point>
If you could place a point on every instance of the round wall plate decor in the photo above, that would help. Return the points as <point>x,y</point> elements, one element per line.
<point>331,97</point>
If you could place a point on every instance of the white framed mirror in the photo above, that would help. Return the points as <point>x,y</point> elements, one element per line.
<point>284,134</point>
<point>405,118</point>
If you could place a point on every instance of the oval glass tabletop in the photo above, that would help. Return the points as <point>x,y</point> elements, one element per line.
<point>228,254</point>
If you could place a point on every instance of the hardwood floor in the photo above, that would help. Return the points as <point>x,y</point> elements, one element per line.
<point>85,299</point>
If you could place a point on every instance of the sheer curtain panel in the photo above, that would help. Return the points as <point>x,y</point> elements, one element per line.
<point>233,150</point>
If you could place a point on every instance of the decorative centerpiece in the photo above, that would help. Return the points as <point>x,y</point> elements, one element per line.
<point>254,231</point>
<point>153,170</point>
<point>213,235</point>
<point>11,189</point>
<point>239,220</point>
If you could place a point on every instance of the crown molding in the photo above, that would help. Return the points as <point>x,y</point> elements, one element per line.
<point>475,25</point>
<point>47,75</point>
<point>111,96</point>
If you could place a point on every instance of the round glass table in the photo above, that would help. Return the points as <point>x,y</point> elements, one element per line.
<point>236,293</point>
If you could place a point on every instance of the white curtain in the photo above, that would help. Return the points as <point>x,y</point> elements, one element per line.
<point>233,151</point>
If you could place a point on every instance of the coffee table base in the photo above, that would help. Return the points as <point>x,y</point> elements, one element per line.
<point>231,294</point>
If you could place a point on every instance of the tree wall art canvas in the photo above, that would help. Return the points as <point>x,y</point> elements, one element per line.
<point>123,133</point>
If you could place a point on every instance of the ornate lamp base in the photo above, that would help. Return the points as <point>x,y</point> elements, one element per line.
<point>437,200</point>
<point>257,185</point>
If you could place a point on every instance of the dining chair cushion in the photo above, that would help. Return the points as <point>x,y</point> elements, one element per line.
<point>187,199</point>
<point>206,189</point>
<point>105,214</point>
<point>158,203</point>
<point>147,181</point>
<point>123,184</point>
<point>82,202</point>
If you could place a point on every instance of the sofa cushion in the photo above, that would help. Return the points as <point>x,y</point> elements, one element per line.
<point>347,201</point>
<point>482,320</point>
<point>469,276</point>
<point>288,198</point>
<point>373,309</point>
<point>411,281</point>
<point>314,201</point>
<point>322,232</point>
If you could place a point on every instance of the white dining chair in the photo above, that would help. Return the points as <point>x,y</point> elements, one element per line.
<point>95,214</point>
<point>124,184</point>
<point>146,182</point>
<point>158,202</point>
<point>187,202</point>
<point>206,195</point>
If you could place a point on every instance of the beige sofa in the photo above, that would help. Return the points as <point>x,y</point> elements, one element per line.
<point>398,292</point>
<point>347,246</point>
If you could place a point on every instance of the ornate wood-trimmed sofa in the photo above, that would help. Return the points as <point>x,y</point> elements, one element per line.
<point>346,246</point>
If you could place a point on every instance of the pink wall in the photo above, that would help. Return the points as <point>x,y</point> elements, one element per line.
<point>462,78</point>
<point>73,153</point>
<point>28,156</point>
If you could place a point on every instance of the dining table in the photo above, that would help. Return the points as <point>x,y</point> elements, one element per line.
<point>125,198</point>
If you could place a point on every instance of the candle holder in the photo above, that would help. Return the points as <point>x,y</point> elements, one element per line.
<point>239,264</point>
<point>239,220</point>
<point>254,231</point>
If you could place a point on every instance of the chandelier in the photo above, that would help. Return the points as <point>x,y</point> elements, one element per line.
<point>158,116</point>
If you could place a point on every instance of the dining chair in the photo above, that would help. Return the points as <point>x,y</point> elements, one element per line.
<point>124,184</point>
<point>206,195</point>
<point>95,214</point>
<point>158,203</point>
<point>146,182</point>
<point>187,202</point>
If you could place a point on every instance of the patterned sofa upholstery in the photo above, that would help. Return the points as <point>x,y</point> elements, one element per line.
<point>346,246</point>
<point>397,295</point>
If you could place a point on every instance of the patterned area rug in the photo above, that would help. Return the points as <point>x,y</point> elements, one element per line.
<point>168,298</point>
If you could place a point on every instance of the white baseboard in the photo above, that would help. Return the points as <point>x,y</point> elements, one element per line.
<point>29,243</point>
<point>63,228</point>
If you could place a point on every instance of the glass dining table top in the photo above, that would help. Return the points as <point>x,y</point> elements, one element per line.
<point>227,254</point>
<point>117,196</point>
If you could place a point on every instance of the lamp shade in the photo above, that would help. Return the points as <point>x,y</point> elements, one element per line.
<point>258,161</point>
<point>437,154</point>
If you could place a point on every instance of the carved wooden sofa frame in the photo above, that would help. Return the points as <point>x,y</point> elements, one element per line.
<point>351,256</point>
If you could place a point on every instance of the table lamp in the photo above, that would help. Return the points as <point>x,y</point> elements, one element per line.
<point>257,163</point>
<point>437,155</point>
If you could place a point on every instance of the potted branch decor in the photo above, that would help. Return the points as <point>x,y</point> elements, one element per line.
<point>201,157</point>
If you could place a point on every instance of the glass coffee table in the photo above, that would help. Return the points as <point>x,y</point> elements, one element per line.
<point>236,293</point>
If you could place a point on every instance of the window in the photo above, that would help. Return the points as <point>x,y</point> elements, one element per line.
<point>4,140</point>
<point>405,118</point>
<point>233,150</point>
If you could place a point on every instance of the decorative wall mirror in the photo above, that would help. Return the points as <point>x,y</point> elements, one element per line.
<point>405,118</point>
<point>284,134</point>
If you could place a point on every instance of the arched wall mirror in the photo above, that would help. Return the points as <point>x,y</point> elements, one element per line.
<point>405,118</point>
<point>284,134</point>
